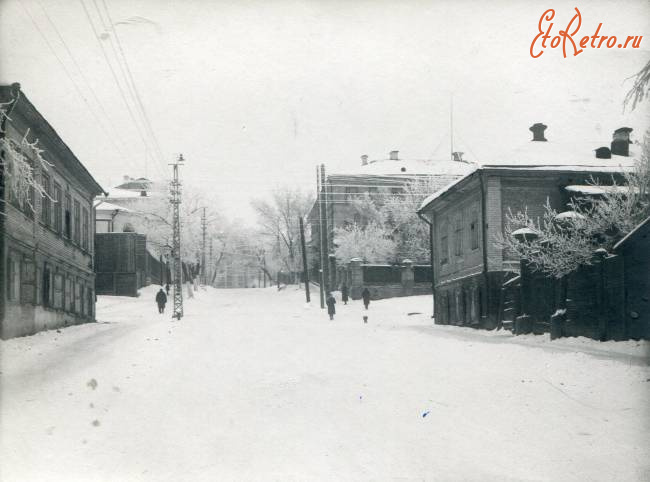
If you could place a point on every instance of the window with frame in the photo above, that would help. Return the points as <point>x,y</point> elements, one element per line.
<point>73,290</point>
<point>46,200</point>
<point>473,230</point>
<point>76,224</point>
<point>46,286</point>
<point>444,245</point>
<point>67,217</point>
<point>458,238</point>
<point>85,227</point>
<point>13,278</point>
<point>57,208</point>
<point>58,291</point>
<point>77,297</point>
<point>27,282</point>
<point>68,301</point>
<point>82,300</point>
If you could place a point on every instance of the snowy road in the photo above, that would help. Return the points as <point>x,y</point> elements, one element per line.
<point>252,385</point>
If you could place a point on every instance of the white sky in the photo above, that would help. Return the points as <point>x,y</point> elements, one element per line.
<point>255,94</point>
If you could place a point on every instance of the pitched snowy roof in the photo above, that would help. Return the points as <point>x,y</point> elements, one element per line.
<point>116,193</point>
<point>449,186</point>
<point>101,205</point>
<point>591,190</point>
<point>558,155</point>
<point>406,167</point>
<point>547,156</point>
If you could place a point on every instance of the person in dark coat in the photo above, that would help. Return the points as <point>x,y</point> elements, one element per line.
<point>344,294</point>
<point>331,310</point>
<point>167,288</point>
<point>161,299</point>
<point>365,294</point>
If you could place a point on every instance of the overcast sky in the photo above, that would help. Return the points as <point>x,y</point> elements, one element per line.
<point>255,94</point>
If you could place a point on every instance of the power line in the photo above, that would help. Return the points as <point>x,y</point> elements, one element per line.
<point>70,77</point>
<point>125,80</point>
<point>133,84</point>
<point>117,83</point>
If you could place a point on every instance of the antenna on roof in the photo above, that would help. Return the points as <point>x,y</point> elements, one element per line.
<point>451,123</point>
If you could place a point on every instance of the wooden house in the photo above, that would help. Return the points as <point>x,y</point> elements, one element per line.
<point>47,277</point>
<point>469,268</point>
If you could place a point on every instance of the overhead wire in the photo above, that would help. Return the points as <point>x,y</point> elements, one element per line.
<point>70,77</point>
<point>115,78</point>
<point>136,93</point>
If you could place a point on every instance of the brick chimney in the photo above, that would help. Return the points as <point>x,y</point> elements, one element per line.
<point>603,153</point>
<point>393,155</point>
<point>621,141</point>
<point>364,160</point>
<point>538,131</point>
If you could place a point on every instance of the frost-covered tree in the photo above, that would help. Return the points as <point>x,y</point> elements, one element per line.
<point>370,243</point>
<point>279,227</point>
<point>641,87</point>
<point>21,161</point>
<point>395,216</point>
<point>559,243</point>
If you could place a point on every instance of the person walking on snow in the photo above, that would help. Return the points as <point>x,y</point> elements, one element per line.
<point>161,299</point>
<point>331,310</point>
<point>344,294</point>
<point>167,288</point>
<point>365,294</point>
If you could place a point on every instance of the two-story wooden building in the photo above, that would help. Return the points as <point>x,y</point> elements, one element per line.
<point>47,277</point>
<point>469,267</point>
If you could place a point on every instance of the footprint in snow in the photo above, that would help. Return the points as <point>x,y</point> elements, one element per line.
<point>95,423</point>
<point>92,383</point>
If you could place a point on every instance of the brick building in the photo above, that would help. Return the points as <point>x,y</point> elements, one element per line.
<point>378,179</point>
<point>47,277</point>
<point>468,267</point>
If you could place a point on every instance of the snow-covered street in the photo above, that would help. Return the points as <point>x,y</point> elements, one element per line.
<point>253,385</point>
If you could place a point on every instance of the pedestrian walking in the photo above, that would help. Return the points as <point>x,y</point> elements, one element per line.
<point>331,310</point>
<point>161,300</point>
<point>365,294</point>
<point>344,294</point>
<point>167,288</point>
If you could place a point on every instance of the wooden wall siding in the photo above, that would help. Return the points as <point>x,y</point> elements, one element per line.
<point>50,264</point>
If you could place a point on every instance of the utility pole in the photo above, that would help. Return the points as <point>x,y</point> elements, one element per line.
<point>304,259</point>
<point>326,267</point>
<point>320,236</point>
<point>203,228</point>
<point>451,123</point>
<point>175,200</point>
<point>211,263</point>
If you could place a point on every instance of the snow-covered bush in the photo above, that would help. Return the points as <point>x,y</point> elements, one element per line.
<point>559,243</point>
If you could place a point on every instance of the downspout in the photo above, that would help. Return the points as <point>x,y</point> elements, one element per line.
<point>433,270</point>
<point>484,226</point>
<point>15,91</point>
